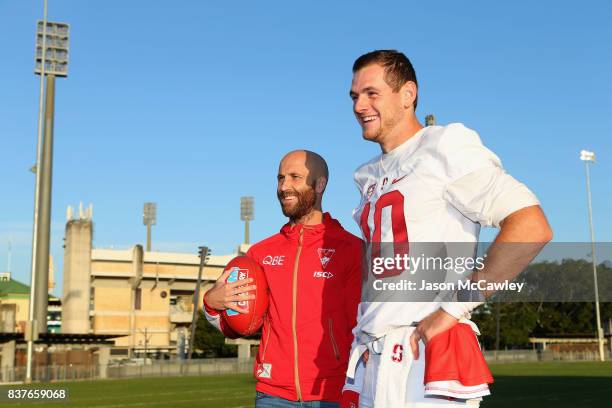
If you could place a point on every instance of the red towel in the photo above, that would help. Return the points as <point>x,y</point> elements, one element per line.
<point>454,357</point>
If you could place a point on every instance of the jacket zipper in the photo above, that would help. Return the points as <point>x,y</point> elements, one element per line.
<point>296,373</point>
<point>333,340</point>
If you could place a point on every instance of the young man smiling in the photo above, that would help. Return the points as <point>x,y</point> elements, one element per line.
<point>438,184</point>
<point>313,269</point>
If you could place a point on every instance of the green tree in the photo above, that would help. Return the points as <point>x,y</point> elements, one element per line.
<point>210,341</point>
<point>569,281</point>
<point>516,322</point>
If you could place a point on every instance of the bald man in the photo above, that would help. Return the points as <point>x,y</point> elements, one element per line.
<point>313,269</point>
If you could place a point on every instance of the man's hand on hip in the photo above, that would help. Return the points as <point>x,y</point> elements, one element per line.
<point>225,295</point>
<point>435,323</point>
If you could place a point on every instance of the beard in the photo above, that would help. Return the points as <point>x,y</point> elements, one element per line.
<point>306,200</point>
<point>388,123</point>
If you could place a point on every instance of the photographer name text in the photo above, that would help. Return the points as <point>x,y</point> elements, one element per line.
<point>424,285</point>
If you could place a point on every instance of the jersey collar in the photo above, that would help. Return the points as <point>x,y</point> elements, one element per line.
<point>388,160</point>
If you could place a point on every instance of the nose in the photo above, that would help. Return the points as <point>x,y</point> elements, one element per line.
<point>360,104</point>
<point>283,185</point>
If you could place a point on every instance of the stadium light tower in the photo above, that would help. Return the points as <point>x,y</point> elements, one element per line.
<point>204,258</point>
<point>51,60</point>
<point>589,157</point>
<point>247,213</point>
<point>149,217</point>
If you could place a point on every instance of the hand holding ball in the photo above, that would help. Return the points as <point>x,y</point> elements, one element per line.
<point>245,316</point>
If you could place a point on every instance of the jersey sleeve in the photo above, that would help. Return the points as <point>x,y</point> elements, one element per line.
<point>460,309</point>
<point>477,185</point>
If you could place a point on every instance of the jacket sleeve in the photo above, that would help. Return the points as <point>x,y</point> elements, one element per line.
<point>214,317</point>
<point>351,304</point>
<point>352,292</point>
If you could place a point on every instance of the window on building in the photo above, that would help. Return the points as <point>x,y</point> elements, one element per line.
<point>92,293</point>
<point>138,299</point>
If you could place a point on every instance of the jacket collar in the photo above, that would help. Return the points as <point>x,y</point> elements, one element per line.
<point>293,231</point>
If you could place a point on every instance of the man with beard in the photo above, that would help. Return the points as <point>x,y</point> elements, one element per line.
<point>313,269</point>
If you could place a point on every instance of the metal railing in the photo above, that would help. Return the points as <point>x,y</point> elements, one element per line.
<point>155,368</point>
<point>517,356</point>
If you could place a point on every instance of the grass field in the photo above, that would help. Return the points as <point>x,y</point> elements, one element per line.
<point>557,385</point>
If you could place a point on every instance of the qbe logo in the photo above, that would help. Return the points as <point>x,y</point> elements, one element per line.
<point>325,275</point>
<point>274,260</point>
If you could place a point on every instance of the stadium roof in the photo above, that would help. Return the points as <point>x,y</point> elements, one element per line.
<point>125,255</point>
<point>12,287</point>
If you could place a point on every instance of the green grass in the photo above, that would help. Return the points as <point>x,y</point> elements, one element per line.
<point>228,391</point>
<point>557,385</point>
<point>526,385</point>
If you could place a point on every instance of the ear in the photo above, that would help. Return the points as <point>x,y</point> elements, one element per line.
<point>409,93</point>
<point>320,185</point>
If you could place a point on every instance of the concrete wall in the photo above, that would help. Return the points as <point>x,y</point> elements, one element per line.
<point>7,350</point>
<point>20,305</point>
<point>77,276</point>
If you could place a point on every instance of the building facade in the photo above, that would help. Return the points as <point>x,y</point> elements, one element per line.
<point>15,301</point>
<point>145,297</point>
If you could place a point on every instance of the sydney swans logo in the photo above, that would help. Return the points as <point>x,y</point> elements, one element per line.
<point>325,255</point>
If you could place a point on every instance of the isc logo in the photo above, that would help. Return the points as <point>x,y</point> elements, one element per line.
<point>274,260</point>
<point>325,275</point>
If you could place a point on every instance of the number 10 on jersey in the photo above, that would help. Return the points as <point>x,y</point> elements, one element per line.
<point>394,200</point>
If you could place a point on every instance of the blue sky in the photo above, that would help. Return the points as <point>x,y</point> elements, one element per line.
<point>191,104</point>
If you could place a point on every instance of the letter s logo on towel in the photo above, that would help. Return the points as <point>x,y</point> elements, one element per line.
<point>398,354</point>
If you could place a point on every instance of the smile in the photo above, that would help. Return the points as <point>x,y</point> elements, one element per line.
<point>289,199</point>
<point>366,119</point>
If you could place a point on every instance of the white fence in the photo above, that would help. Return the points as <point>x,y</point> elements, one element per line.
<point>155,368</point>
<point>213,366</point>
<point>518,356</point>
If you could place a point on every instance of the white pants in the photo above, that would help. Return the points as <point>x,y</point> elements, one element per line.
<point>414,385</point>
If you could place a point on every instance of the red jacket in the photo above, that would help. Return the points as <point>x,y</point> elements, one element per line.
<point>314,276</point>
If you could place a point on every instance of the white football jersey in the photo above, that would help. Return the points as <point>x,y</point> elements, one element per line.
<point>441,185</point>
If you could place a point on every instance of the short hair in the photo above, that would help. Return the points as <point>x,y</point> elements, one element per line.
<point>317,164</point>
<point>398,68</point>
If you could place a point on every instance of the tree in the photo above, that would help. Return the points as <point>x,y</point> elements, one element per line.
<point>562,289</point>
<point>517,321</point>
<point>210,341</point>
